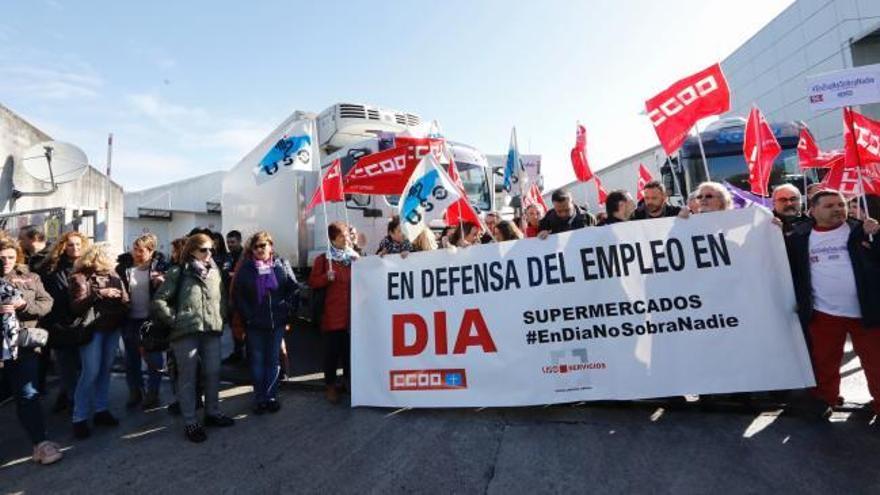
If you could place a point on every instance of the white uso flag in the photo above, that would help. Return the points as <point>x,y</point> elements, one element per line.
<point>426,196</point>
<point>293,150</point>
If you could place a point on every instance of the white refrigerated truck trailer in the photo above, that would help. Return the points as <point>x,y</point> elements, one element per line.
<point>348,132</point>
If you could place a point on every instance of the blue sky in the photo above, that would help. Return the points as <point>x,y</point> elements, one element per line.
<point>190,87</point>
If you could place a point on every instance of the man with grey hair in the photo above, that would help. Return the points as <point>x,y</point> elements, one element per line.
<point>787,206</point>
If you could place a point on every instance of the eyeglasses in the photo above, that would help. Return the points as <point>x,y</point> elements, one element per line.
<point>206,250</point>
<point>706,196</point>
<point>260,245</point>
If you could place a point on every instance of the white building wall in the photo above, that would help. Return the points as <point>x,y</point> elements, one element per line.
<point>186,200</point>
<point>620,175</point>
<point>810,37</point>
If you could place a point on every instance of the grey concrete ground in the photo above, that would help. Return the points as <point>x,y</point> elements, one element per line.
<point>314,447</point>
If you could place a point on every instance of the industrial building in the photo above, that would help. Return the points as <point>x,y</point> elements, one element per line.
<point>89,203</point>
<point>171,210</point>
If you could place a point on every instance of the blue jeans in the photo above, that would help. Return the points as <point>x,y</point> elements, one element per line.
<point>263,348</point>
<point>93,387</point>
<point>134,374</point>
<point>22,375</point>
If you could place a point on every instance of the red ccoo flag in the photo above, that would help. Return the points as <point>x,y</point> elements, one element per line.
<point>760,149</point>
<point>677,109</point>
<point>861,138</point>
<point>386,172</point>
<point>810,156</point>
<point>462,210</point>
<point>331,186</point>
<point>644,177</point>
<point>600,191</point>
<point>846,180</point>
<point>579,156</point>
<point>533,197</point>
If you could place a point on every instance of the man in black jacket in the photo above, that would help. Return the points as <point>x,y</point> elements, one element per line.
<point>656,203</point>
<point>564,216</point>
<point>619,207</point>
<point>835,266</point>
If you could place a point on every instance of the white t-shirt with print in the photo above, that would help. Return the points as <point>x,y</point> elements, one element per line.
<point>831,271</point>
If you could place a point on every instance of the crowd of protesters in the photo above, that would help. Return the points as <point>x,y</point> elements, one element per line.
<point>89,303</point>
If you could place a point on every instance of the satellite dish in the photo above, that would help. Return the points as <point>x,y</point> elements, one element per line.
<point>54,162</point>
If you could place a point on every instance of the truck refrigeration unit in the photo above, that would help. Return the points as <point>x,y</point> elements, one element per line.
<point>348,132</point>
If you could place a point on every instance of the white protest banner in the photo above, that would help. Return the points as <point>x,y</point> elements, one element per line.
<point>635,310</point>
<point>842,88</point>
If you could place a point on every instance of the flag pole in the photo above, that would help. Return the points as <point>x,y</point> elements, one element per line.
<point>674,176</point>
<point>852,134</point>
<point>702,151</point>
<point>317,158</point>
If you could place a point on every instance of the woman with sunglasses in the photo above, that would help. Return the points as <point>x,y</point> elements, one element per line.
<point>192,303</point>
<point>265,293</point>
<point>713,197</point>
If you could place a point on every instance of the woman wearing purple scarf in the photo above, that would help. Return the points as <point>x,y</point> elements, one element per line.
<point>265,292</point>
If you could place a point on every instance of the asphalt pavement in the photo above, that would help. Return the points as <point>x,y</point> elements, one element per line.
<point>311,446</point>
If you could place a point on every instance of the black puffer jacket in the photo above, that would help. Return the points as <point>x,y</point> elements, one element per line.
<point>865,257</point>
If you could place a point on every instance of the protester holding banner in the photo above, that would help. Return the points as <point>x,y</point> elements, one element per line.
<point>564,216</point>
<point>619,207</point>
<point>265,295</point>
<point>466,234</point>
<point>656,203</point>
<point>394,242</point>
<point>713,196</point>
<point>787,206</point>
<point>533,219</point>
<point>506,230</point>
<point>491,219</point>
<point>332,272</point>
<point>192,302</point>
<point>835,265</point>
<point>426,241</point>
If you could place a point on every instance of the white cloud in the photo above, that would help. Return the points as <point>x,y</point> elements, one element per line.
<point>52,84</point>
<point>195,128</point>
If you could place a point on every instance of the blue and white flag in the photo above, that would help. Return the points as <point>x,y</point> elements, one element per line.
<point>293,151</point>
<point>426,196</point>
<point>513,167</point>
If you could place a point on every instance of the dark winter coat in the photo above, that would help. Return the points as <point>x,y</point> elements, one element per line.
<point>125,265</point>
<point>579,219</point>
<point>109,312</point>
<point>275,309</point>
<point>865,257</point>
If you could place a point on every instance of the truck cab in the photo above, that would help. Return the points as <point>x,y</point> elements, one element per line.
<point>723,144</point>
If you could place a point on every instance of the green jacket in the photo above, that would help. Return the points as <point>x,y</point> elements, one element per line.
<point>200,306</point>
